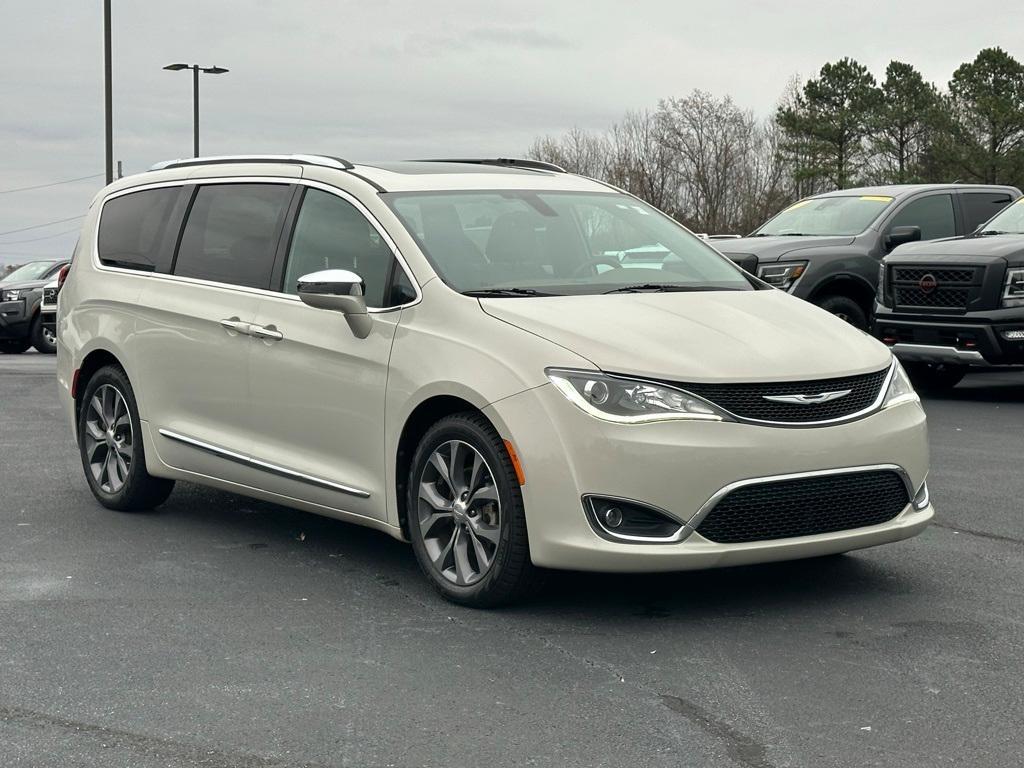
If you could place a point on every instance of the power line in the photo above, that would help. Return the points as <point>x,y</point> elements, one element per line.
<point>50,184</point>
<point>37,239</point>
<point>40,226</point>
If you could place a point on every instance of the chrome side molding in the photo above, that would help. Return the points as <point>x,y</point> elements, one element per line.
<point>266,466</point>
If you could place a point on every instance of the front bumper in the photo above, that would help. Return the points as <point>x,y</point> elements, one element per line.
<point>678,466</point>
<point>14,319</point>
<point>973,339</point>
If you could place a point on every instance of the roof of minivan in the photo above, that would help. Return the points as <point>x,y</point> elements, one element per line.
<point>902,190</point>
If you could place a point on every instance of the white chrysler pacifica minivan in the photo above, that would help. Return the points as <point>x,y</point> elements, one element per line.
<point>508,365</point>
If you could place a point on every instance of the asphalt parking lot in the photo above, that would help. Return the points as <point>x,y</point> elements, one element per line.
<point>220,631</point>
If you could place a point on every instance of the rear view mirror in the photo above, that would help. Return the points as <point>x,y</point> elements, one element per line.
<point>901,235</point>
<point>341,291</point>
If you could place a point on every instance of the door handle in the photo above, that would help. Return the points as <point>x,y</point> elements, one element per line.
<point>267,332</point>
<point>236,325</point>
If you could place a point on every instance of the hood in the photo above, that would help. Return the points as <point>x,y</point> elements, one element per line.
<point>993,247</point>
<point>768,249</point>
<point>23,284</point>
<point>708,337</point>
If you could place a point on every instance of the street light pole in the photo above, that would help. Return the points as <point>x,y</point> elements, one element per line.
<point>195,110</point>
<point>108,97</point>
<point>196,69</point>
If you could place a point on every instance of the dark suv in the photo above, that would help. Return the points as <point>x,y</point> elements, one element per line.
<point>827,248</point>
<point>21,291</point>
<point>948,306</point>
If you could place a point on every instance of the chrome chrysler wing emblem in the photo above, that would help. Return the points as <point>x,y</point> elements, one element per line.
<point>823,397</point>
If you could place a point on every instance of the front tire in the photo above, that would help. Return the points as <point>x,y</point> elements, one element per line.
<point>43,340</point>
<point>935,377</point>
<point>110,444</point>
<point>466,516</point>
<point>846,309</point>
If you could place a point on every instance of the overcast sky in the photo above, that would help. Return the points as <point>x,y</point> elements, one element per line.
<point>388,79</point>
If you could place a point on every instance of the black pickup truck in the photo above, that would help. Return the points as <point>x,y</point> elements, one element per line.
<point>950,306</point>
<point>827,248</point>
<point>21,293</point>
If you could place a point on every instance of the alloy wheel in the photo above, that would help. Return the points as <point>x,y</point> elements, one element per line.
<point>50,337</point>
<point>108,439</point>
<point>459,513</point>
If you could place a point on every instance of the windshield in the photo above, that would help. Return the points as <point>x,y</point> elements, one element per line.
<point>1009,221</point>
<point>843,215</point>
<point>35,270</point>
<point>519,243</point>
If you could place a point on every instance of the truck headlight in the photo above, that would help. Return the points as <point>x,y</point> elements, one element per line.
<point>900,389</point>
<point>782,275</point>
<point>12,294</point>
<point>880,294</point>
<point>1013,290</point>
<point>630,401</point>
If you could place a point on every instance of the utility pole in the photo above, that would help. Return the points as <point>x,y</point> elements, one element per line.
<point>108,96</point>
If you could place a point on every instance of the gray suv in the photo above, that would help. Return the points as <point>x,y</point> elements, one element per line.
<point>828,248</point>
<point>21,293</point>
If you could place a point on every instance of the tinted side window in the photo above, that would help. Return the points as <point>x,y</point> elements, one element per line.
<point>933,214</point>
<point>232,233</point>
<point>979,207</point>
<point>135,230</point>
<point>330,233</point>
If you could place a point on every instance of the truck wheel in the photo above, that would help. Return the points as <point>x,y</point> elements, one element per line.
<point>847,309</point>
<point>934,377</point>
<point>42,339</point>
<point>13,346</point>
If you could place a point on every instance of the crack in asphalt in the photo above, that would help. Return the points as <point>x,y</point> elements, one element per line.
<point>740,747</point>
<point>979,534</point>
<point>153,746</point>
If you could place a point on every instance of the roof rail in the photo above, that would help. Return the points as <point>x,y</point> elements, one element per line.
<point>509,162</point>
<point>324,160</point>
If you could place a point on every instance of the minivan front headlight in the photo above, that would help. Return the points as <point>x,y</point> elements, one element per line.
<point>900,389</point>
<point>782,275</point>
<point>630,401</point>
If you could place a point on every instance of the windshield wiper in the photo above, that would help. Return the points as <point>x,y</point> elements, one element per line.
<point>665,288</point>
<point>987,232</point>
<point>781,234</point>
<point>486,292</point>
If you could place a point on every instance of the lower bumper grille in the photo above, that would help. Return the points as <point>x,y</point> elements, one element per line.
<point>806,506</point>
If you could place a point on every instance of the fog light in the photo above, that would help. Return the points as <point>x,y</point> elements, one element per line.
<point>612,517</point>
<point>1014,335</point>
<point>623,520</point>
<point>922,498</point>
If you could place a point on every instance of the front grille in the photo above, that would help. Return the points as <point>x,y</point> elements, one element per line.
<point>49,295</point>
<point>806,507</point>
<point>942,276</point>
<point>747,400</point>
<point>944,298</point>
<point>951,287</point>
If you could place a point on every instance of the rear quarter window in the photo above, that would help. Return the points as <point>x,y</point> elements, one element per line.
<point>137,232</point>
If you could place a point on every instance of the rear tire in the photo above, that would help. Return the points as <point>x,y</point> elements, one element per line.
<point>934,377</point>
<point>41,339</point>
<point>13,346</point>
<point>110,445</point>
<point>469,536</point>
<point>846,309</point>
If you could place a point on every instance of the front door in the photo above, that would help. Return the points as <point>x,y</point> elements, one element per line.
<point>318,391</point>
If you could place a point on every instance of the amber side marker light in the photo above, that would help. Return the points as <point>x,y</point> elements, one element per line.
<point>516,464</point>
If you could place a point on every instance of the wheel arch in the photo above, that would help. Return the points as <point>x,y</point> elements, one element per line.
<point>419,420</point>
<point>93,361</point>
<point>849,285</point>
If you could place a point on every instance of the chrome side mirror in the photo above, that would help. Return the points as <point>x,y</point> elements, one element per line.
<point>339,291</point>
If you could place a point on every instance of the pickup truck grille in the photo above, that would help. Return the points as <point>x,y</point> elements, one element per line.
<point>938,287</point>
<point>49,295</point>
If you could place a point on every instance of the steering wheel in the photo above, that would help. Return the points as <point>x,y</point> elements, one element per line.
<point>592,262</point>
